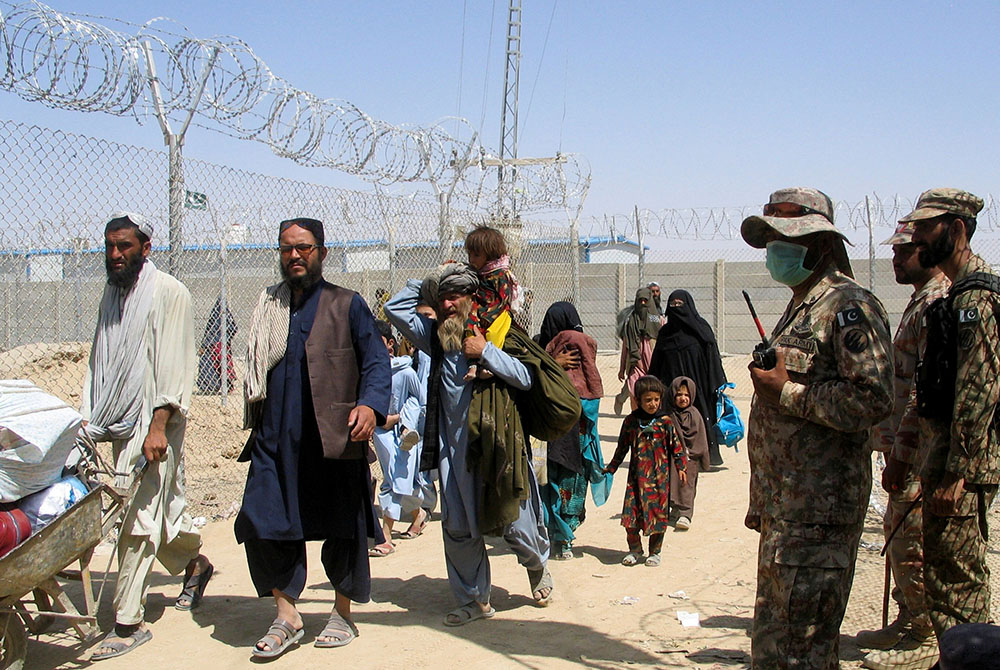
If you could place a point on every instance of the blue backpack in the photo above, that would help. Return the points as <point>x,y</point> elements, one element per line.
<point>729,428</point>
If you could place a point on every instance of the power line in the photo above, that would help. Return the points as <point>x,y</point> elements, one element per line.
<point>486,78</point>
<point>545,44</point>
<point>461,60</point>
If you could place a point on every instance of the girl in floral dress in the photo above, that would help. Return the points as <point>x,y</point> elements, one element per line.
<point>647,434</point>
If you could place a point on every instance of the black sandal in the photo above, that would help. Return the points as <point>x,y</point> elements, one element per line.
<point>119,645</point>
<point>194,589</point>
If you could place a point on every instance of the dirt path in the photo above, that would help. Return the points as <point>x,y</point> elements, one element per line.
<point>604,615</point>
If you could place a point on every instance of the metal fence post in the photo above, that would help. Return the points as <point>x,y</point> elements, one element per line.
<point>445,229</point>
<point>175,206</point>
<point>574,243</point>
<point>720,303</point>
<point>620,279</point>
<point>78,246</point>
<point>223,320</point>
<point>871,248</point>
<point>642,248</point>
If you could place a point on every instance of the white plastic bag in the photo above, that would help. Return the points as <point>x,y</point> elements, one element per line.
<point>37,434</point>
<point>43,507</point>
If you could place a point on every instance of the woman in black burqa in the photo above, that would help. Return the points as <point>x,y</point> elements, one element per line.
<point>686,347</point>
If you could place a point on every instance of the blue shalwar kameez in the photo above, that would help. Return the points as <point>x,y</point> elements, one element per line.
<point>293,493</point>
<point>464,547</point>
<point>426,488</point>
<point>398,494</point>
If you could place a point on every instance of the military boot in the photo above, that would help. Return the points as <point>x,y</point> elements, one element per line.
<point>910,653</point>
<point>884,638</point>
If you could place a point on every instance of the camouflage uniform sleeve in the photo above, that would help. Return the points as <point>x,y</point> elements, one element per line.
<point>976,390</point>
<point>861,394</point>
<point>906,445</point>
<point>904,360</point>
<point>904,442</point>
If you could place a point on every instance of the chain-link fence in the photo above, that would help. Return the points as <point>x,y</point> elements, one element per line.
<point>59,189</point>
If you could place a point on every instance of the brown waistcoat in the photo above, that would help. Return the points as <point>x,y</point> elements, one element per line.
<point>334,378</point>
<point>333,372</point>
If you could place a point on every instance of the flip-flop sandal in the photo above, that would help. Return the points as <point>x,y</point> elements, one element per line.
<point>540,580</point>
<point>564,554</point>
<point>633,558</point>
<point>336,627</point>
<point>194,589</point>
<point>281,632</point>
<point>120,645</point>
<point>378,552</point>
<point>409,440</point>
<point>412,534</point>
<point>653,561</point>
<point>467,613</point>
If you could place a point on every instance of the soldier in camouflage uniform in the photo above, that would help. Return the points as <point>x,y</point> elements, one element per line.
<point>909,640</point>
<point>810,432</point>
<point>958,461</point>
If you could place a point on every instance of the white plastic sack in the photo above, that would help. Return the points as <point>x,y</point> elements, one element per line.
<point>44,507</point>
<point>37,434</point>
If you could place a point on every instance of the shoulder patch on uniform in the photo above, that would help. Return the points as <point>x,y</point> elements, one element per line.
<point>969,315</point>
<point>966,338</point>
<point>849,317</point>
<point>856,340</point>
<point>803,328</point>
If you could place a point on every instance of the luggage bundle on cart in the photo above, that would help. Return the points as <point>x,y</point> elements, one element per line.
<point>39,436</point>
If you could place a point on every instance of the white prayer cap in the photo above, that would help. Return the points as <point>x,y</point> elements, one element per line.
<point>144,225</point>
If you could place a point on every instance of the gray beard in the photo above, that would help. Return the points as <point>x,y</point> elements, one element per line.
<point>450,332</point>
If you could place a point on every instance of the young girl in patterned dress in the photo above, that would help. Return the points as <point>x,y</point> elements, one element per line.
<point>647,434</point>
<point>498,294</point>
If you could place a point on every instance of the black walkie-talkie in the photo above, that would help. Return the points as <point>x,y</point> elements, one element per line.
<point>764,356</point>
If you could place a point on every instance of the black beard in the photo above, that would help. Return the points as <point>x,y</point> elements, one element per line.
<point>302,282</point>
<point>128,275</point>
<point>937,251</point>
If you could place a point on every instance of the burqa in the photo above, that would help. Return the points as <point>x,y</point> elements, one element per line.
<point>686,347</point>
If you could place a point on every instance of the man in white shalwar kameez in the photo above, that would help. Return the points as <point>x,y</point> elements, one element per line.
<point>136,395</point>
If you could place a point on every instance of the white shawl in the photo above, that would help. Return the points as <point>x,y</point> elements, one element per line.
<point>265,346</point>
<point>117,360</point>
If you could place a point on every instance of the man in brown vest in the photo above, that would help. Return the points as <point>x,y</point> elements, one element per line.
<point>317,384</point>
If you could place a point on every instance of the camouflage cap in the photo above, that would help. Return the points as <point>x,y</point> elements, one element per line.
<point>817,217</point>
<point>903,234</point>
<point>938,201</point>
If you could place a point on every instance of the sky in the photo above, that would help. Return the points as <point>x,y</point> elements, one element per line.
<point>674,104</point>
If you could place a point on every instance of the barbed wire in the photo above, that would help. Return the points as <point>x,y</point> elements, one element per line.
<point>72,61</point>
<point>715,223</point>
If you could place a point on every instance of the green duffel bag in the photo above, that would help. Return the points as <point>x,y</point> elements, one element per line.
<point>551,406</point>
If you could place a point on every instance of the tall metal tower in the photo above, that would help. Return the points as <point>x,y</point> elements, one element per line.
<point>506,194</point>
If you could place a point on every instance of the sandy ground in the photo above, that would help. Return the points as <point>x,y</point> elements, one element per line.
<point>604,615</point>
